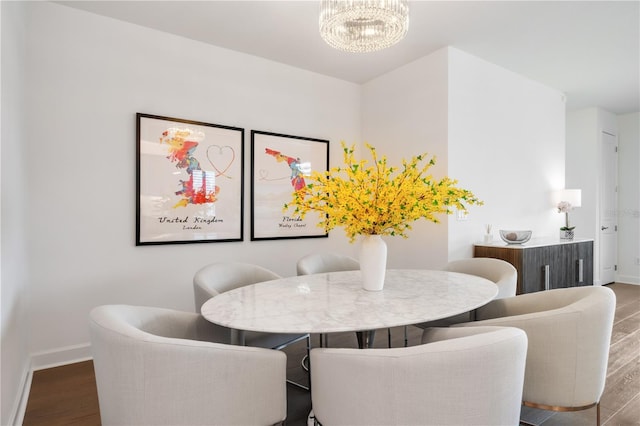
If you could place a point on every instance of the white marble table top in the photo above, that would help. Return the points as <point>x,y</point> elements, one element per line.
<point>336,302</point>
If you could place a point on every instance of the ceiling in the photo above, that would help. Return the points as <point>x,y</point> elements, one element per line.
<point>590,50</point>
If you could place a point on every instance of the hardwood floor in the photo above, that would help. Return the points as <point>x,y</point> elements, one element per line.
<point>67,395</point>
<point>64,395</point>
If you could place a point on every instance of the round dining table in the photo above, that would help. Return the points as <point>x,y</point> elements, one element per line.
<point>336,302</point>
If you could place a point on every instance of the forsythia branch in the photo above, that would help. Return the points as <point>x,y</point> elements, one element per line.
<point>371,200</point>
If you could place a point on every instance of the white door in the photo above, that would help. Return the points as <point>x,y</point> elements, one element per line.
<point>608,208</point>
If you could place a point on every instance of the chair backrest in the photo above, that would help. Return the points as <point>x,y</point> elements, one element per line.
<point>471,380</point>
<point>217,278</point>
<point>154,367</point>
<point>326,262</point>
<point>499,271</point>
<point>569,333</point>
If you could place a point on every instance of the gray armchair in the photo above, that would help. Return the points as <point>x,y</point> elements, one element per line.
<point>502,273</point>
<point>325,262</point>
<point>217,278</point>
<point>458,377</point>
<point>158,367</point>
<point>569,333</point>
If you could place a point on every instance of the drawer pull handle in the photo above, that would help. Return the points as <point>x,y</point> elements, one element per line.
<point>546,277</point>
<point>580,270</point>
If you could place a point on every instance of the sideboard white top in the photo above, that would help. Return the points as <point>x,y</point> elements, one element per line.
<point>534,242</point>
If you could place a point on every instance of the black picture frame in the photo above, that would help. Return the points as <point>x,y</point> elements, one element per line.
<point>279,163</point>
<point>189,181</point>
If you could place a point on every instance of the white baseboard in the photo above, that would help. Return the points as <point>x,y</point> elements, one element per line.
<point>61,356</point>
<point>627,279</point>
<point>40,361</point>
<point>20,406</point>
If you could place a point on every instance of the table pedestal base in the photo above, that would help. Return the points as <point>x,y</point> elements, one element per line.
<point>365,338</point>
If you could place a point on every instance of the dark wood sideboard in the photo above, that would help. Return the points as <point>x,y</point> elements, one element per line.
<point>545,264</point>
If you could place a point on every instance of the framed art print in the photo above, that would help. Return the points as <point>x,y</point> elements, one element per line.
<point>279,164</point>
<point>189,180</point>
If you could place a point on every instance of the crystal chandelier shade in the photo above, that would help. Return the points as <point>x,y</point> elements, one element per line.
<point>363,25</point>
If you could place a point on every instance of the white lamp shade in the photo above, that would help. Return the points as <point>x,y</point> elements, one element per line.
<point>571,196</point>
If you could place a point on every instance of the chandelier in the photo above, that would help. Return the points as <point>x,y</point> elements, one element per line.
<point>363,25</point>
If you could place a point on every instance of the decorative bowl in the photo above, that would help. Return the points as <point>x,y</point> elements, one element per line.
<point>515,237</point>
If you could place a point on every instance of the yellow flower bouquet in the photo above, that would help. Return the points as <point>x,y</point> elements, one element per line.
<point>378,199</point>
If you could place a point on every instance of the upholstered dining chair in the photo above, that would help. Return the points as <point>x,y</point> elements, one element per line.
<point>217,278</point>
<point>569,333</point>
<point>454,378</point>
<point>158,366</point>
<point>318,263</point>
<point>502,273</point>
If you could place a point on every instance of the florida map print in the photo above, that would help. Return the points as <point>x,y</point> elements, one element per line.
<point>296,166</point>
<point>281,164</point>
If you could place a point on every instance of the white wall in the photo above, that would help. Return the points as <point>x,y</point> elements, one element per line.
<point>87,77</point>
<point>14,226</point>
<point>506,143</point>
<point>500,134</point>
<point>404,113</point>
<point>583,141</point>
<point>582,156</point>
<point>629,198</point>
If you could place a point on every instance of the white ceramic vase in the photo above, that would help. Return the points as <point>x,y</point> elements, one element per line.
<point>373,262</point>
